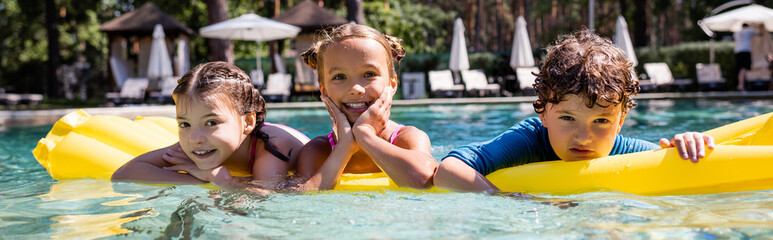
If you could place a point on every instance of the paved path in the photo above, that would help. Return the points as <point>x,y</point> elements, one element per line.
<point>44,117</point>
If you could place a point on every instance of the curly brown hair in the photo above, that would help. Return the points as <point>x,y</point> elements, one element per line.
<point>393,45</point>
<point>222,82</point>
<point>586,64</point>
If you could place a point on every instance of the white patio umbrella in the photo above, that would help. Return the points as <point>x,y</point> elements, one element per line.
<point>250,27</point>
<point>159,64</point>
<point>521,55</point>
<point>733,20</point>
<point>622,40</point>
<point>459,60</point>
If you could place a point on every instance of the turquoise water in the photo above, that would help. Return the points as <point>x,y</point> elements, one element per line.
<point>34,206</point>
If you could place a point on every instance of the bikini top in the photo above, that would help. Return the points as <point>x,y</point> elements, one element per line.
<point>392,138</point>
<point>273,151</point>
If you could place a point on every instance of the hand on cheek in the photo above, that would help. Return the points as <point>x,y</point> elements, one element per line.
<point>341,126</point>
<point>374,120</point>
<point>690,145</point>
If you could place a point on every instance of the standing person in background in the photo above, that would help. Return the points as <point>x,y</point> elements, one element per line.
<point>743,55</point>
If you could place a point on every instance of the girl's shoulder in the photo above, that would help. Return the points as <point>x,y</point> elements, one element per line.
<point>410,136</point>
<point>283,133</point>
<point>318,146</point>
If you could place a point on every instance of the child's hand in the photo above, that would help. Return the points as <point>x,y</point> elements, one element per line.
<point>690,145</point>
<point>218,175</point>
<point>341,126</point>
<point>175,154</point>
<point>374,119</point>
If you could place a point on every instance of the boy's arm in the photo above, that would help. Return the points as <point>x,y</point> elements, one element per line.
<point>455,175</point>
<point>148,168</point>
<point>408,163</point>
<point>465,168</point>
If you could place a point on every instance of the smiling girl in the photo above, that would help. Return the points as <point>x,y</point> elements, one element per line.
<point>222,133</point>
<point>357,79</point>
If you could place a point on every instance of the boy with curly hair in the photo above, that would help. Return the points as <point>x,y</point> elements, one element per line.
<point>584,92</point>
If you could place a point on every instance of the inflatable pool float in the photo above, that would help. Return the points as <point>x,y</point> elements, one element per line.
<point>83,146</point>
<point>741,161</point>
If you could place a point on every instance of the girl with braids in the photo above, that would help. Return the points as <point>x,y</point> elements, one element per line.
<point>357,79</point>
<point>222,134</point>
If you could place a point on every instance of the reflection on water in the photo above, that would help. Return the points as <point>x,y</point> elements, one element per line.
<point>74,196</point>
<point>32,206</point>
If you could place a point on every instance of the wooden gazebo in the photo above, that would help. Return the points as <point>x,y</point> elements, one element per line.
<point>130,36</point>
<point>310,17</point>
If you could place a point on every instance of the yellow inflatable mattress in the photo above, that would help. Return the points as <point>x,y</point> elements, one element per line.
<point>84,146</point>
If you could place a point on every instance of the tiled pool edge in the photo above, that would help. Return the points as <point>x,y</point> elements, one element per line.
<point>16,118</point>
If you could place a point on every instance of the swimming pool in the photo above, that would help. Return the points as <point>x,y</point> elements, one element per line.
<point>34,206</point>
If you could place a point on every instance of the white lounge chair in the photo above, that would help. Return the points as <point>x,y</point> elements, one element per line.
<point>660,75</point>
<point>709,76</point>
<point>413,85</point>
<point>256,76</point>
<point>278,87</point>
<point>476,83</point>
<point>167,86</point>
<point>441,84</point>
<point>757,78</point>
<point>132,91</point>
<point>526,78</point>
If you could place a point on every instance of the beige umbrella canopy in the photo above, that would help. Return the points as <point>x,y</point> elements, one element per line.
<point>732,21</point>
<point>250,27</point>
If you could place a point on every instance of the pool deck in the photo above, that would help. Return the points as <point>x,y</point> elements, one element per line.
<point>18,118</point>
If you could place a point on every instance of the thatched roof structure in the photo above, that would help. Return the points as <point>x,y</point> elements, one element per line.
<point>141,21</point>
<point>310,17</point>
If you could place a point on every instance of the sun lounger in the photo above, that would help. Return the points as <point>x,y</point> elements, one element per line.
<point>757,79</point>
<point>132,91</point>
<point>526,78</point>
<point>305,79</point>
<point>31,99</point>
<point>476,83</point>
<point>660,75</point>
<point>278,87</point>
<point>413,85</point>
<point>709,76</point>
<point>256,76</point>
<point>168,84</point>
<point>10,99</point>
<point>441,84</point>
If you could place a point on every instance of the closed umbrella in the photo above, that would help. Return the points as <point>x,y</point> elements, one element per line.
<point>459,60</point>
<point>622,40</point>
<point>250,27</point>
<point>159,64</point>
<point>521,55</point>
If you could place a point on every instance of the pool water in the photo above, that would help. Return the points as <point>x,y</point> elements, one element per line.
<point>33,206</point>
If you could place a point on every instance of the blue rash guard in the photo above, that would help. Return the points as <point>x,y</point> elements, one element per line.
<point>527,142</point>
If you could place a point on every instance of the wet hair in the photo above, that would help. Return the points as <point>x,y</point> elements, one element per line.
<point>393,46</point>
<point>222,82</point>
<point>588,65</point>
